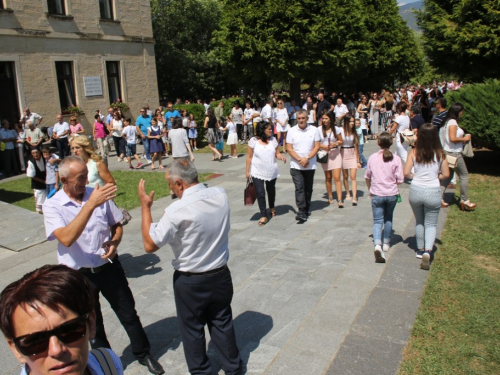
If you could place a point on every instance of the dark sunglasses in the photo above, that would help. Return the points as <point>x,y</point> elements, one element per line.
<point>38,342</point>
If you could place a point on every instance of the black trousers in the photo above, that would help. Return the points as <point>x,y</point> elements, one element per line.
<point>303,181</point>
<point>239,130</point>
<point>206,300</point>
<point>113,285</point>
<point>119,146</point>
<point>270,187</point>
<point>63,147</point>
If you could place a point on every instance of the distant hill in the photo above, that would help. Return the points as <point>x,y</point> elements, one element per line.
<point>406,13</point>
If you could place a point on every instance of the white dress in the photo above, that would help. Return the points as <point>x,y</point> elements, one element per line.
<point>403,124</point>
<point>232,136</point>
<point>282,116</point>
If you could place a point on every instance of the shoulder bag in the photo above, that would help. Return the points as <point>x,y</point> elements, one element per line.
<point>250,194</point>
<point>105,361</point>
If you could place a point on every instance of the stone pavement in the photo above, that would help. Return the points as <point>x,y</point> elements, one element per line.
<point>308,298</point>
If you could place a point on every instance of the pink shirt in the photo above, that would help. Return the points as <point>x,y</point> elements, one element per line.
<point>75,128</point>
<point>99,130</point>
<point>384,176</point>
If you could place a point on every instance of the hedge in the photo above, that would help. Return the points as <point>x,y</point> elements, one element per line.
<point>198,110</point>
<point>481,116</point>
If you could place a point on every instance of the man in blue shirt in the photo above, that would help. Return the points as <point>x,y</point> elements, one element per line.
<point>170,113</point>
<point>143,123</point>
<point>110,116</point>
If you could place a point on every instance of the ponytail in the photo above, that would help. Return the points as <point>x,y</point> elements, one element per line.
<point>385,142</point>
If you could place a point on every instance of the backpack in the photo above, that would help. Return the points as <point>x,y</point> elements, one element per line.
<point>105,361</point>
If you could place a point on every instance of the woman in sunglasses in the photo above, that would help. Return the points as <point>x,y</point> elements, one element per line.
<point>48,319</point>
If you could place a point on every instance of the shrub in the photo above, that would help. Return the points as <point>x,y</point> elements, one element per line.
<point>481,116</point>
<point>229,104</point>
<point>198,110</point>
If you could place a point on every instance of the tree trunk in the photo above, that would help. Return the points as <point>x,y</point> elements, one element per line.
<point>295,90</point>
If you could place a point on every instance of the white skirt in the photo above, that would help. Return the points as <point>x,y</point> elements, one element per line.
<point>232,138</point>
<point>283,129</point>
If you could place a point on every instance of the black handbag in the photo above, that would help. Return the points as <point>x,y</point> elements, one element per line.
<point>250,194</point>
<point>322,156</point>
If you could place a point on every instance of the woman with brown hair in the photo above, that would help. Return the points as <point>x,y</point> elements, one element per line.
<point>330,141</point>
<point>383,175</point>
<point>350,158</point>
<point>375,104</point>
<point>212,124</point>
<point>429,164</point>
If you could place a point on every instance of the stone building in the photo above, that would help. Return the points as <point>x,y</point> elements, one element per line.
<point>88,53</point>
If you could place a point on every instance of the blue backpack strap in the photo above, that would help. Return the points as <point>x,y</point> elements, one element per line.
<point>105,361</point>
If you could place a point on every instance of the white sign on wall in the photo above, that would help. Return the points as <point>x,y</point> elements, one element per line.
<point>93,86</point>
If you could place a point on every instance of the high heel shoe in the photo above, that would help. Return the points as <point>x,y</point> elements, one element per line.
<point>467,206</point>
<point>444,204</point>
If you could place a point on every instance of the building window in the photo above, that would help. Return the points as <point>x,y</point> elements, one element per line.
<point>106,7</point>
<point>65,83</point>
<point>1,5</point>
<point>114,86</point>
<point>56,7</point>
<point>9,106</point>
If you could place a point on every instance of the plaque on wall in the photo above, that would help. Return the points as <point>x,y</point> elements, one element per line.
<point>93,86</point>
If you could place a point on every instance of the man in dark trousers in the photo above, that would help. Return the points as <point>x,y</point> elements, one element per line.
<point>197,228</point>
<point>86,223</point>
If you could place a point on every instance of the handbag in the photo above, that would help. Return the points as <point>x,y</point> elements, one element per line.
<point>250,194</point>
<point>322,156</point>
<point>408,137</point>
<point>452,161</point>
<point>467,151</point>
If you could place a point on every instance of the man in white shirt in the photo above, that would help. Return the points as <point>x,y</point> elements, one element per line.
<point>86,224</point>
<point>197,228</point>
<point>267,112</point>
<point>37,172</point>
<point>35,118</point>
<point>248,115</point>
<point>60,134</point>
<point>9,137</point>
<point>340,111</point>
<point>303,143</point>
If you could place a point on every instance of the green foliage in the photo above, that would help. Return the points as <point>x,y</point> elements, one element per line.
<point>229,104</point>
<point>339,42</point>
<point>481,116</point>
<point>186,62</point>
<point>198,111</point>
<point>462,37</point>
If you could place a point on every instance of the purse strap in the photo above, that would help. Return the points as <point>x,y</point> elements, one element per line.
<point>105,361</point>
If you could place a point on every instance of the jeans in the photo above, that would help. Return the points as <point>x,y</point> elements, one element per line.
<point>270,186</point>
<point>303,181</point>
<point>145,143</point>
<point>361,156</point>
<point>119,145</point>
<point>425,203</point>
<point>383,209</point>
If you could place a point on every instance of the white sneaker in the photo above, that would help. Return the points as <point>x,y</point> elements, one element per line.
<point>379,255</point>
<point>426,261</point>
<point>386,247</point>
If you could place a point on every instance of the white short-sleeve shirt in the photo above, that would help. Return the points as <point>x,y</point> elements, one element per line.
<point>303,141</point>
<point>264,165</point>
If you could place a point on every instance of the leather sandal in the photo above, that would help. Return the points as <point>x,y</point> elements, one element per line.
<point>262,221</point>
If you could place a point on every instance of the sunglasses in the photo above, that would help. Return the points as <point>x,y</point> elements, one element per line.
<point>38,342</point>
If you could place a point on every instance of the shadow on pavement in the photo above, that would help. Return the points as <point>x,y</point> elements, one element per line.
<point>137,266</point>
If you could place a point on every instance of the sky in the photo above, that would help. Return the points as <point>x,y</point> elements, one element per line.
<point>403,2</point>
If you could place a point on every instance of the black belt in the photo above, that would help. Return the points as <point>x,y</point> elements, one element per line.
<point>348,147</point>
<point>211,272</point>
<point>94,269</point>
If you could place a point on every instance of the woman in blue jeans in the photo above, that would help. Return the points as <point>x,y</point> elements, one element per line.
<point>429,164</point>
<point>383,175</point>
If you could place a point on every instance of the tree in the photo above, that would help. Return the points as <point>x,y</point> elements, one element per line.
<point>462,37</point>
<point>342,43</point>
<point>186,62</point>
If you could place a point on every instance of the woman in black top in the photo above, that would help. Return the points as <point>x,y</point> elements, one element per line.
<point>212,125</point>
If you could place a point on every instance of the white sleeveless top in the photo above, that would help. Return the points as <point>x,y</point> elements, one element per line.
<point>426,175</point>
<point>93,176</point>
<point>264,165</point>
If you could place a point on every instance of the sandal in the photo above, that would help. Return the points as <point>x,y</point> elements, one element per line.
<point>467,206</point>
<point>161,167</point>
<point>273,212</point>
<point>153,168</point>
<point>262,221</point>
<point>354,202</point>
<point>341,204</point>
<point>330,200</point>
<point>348,197</point>
<point>444,204</point>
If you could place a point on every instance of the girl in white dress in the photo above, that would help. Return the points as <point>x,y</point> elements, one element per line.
<point>281,117</point>
<point>400,124</point>
<point>232,136</point>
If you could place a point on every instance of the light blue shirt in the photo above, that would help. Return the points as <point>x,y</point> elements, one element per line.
<point>60,210</point>
<point>169,115</point>
<point>144,123</point>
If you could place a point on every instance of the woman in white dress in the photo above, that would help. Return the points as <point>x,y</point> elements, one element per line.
<point>281,118</point>
<point>400,124</point>
<point>263,153</point>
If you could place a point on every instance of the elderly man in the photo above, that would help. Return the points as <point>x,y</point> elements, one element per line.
<point>60,134</point>
<point>86,223</point>
<point>197,228</point>
<point>303,143</point>
<point>321,106</point>
<point>340,111</point>
<point>34,136</point>
<point>35,118</point>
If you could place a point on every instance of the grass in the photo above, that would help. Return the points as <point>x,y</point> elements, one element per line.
<point>457,330</point>
<point>240,149</point>
<point>19,192</point>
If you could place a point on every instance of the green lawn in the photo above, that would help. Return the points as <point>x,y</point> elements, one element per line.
<point>457,330</point>
<point>19,192</point>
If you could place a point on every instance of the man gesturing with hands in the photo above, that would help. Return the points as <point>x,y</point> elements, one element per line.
<point>86,224</point>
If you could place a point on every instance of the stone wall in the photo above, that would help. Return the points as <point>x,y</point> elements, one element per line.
<point>34,41</point>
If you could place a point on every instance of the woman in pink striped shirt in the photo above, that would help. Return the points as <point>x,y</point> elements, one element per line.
<point>383,175</point>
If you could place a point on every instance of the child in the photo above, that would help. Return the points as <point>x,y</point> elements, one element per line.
<point>220,141</point>
<point>361,142</point>
<point>129,132</point>
<point>51,172</point>
<point>232,137</point>
<point>36,170</point>
<point>193,133</point>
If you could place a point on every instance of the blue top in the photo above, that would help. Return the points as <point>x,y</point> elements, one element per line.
<point>143,122</point>
<point>169,115</point>
<point>92,365</point>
